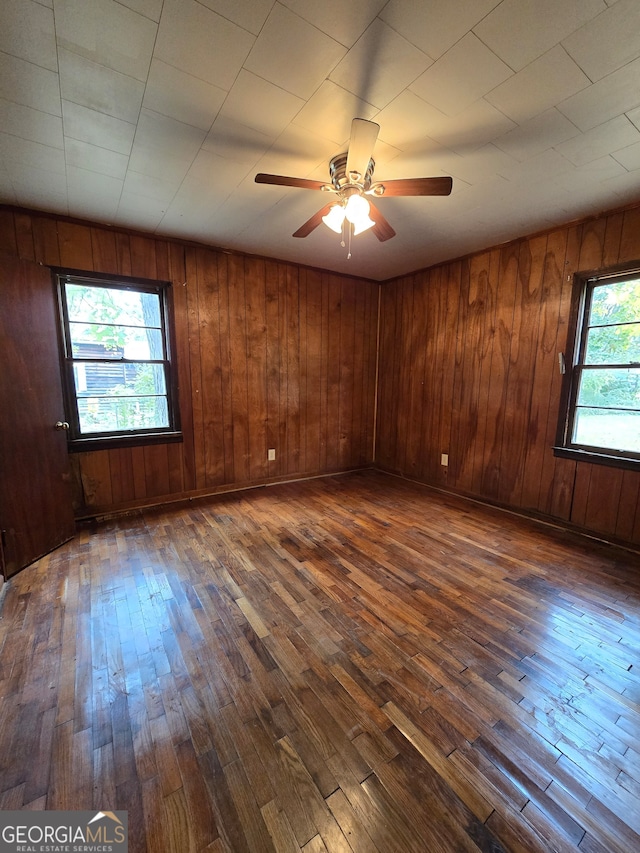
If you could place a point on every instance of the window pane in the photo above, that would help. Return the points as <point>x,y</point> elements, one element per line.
<point>609,429</point>
<point>613,345</point>
<point>610,388</point>
<point>618,302</point>
<point>114,414</point>
<point>96,340</point>
<point>115,379</point>
<point>108,305</point>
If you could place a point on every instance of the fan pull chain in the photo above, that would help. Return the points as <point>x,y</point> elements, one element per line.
<point>348,227</point>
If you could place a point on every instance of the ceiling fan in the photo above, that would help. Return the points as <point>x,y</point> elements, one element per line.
<point>351,180</point>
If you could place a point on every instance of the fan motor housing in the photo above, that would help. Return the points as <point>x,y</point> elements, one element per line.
<point>340,179</point>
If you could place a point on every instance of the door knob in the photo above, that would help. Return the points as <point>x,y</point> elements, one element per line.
<point>62,425</point>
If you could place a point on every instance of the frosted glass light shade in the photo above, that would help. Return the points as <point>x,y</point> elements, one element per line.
<point>335,218</point>
<point>357,212</point>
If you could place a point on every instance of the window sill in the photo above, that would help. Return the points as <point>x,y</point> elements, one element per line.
<point>595,458</point>
<point>82,445</point>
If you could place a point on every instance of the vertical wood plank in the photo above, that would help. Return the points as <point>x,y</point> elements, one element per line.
<point>469,361</point>
<point>76,250</point>
<point>546,374</point>
<point>211,369</point>
<point>162,257</point>
<point>143,256</point>
<point>123,251</point>
<point>121,472</point>
<point>432,282</point>
<point>347,376</point>
<point>313,384</point>
<point>416,370</point>
<point>602,515</point>
<point>256,367</point>
<point>139,470</point>
<point>179,308</point>
<point>156,466</point>
<point>406,345</point>
<point>239,378</point>
<point>370,377</point>
<point>226,358</point>
<point>499,389</point>
<point>303,329</point>
<point>366,330</point>
<point>556,499</point>
<point>592,244</point>
<point>272,356</point>
<point>334,320</point>
<point>630,236</point>
<point>96,478</point>
<point>449,306</point>
<point>24,236</point>
<point>520,432</point>
<point>612,239</point>
<point>45,238</point>
<point>487,286</point>
<point>385,443</point>
<point>195,365</point>
<point>323,389</point>
<point>581,493</point>
<point>629,506</point>
<point>105,254</point>
<point>8,242</point>
<point>292,320</point>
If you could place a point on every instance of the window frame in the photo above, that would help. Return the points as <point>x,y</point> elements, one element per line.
<point>78,441</point>
<point>573,366</point>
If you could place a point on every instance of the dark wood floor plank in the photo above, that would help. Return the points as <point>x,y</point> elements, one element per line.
<point>353,663</point>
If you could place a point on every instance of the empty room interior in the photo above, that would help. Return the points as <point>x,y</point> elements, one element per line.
<point>320,405</point>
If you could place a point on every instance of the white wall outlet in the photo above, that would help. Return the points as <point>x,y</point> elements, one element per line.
<point>444,459</point>
<point>271,454</point>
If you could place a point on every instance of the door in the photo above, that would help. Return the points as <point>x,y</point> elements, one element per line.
<point>36,510</point>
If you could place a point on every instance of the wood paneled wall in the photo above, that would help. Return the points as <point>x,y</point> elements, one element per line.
<point>270,355</point>
<point>469,367</point>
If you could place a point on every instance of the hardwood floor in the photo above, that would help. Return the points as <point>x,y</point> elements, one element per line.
<point>353,663</point>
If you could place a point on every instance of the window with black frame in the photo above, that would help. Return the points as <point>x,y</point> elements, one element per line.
<point>119,376</point>
<point>601,418</point>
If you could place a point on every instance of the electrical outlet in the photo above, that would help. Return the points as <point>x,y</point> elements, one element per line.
<point>271,454</point>
<point>444,459</point>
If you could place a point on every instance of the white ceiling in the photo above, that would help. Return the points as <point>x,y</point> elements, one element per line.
<point>157,114</point>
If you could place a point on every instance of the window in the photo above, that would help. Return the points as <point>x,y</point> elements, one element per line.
<point>601,416</point>
<point>117,368</point>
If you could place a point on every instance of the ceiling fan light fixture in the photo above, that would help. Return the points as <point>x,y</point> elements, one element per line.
<point>335,218</point>
<point>351,174</point>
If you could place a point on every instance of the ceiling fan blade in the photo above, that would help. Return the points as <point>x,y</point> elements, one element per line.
<point>284,181</point>
<point>412,186</point>
<point>381,229</point>
<point>363,137</point>
<point>314,221</point>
